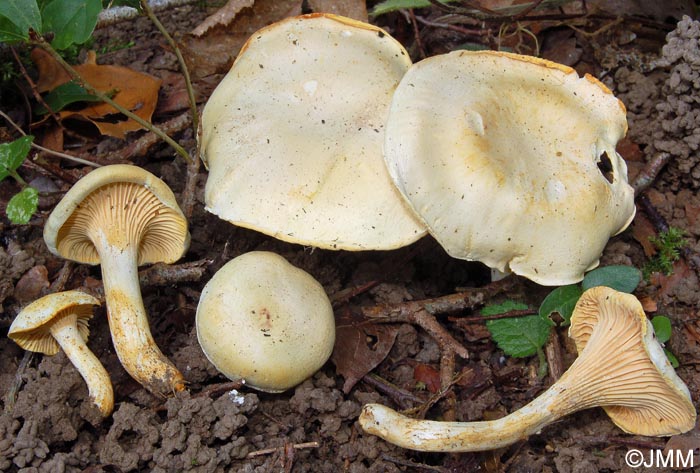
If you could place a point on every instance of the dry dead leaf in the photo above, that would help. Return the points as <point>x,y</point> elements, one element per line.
<point>360,346</point>
<point>642,231</point>
<point>427,375</point>
<point>135,91</point>
<point>31,284</point>
<point>356,9</point>
<point>649,304</point>
<point>214,51</point>
<point>687,442</point>
<point>223,16</point>
<point>667,284</point>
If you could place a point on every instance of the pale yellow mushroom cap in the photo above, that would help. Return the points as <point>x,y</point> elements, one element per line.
<point>639,389</point>
<point>510,160</point>
<point>31,328</point>
<point>293,136</point>
<point>124,197</point>
<point>263,320</point>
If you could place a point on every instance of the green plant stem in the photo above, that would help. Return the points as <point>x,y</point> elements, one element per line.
<point>17,177</point>
<point>43,44</point>
<point>181,60</point>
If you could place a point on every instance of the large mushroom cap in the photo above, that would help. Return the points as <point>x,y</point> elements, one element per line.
<point>123,196</point>
<point>293,136</point>
<point>31,328</point>
<point>645,396</point>
<point>261,319</point>
<point>510,160</point>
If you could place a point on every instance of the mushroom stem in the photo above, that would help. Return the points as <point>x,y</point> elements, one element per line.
<point>612,371</point>
<point>128,321</point>
<point>65,332</point>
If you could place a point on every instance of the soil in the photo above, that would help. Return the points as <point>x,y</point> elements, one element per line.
<point>48,423</point>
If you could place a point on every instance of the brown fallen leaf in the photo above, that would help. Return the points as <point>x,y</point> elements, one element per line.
<point>355,9</point>
<point>667,284</point>
<point>359,346</point>
<point>427,375</point>
<point>223,16</point>
<point>211,49</point>
<point>135,91</point>
<point>31,284</point>
<point>642,231</point>
<point>685,443</point>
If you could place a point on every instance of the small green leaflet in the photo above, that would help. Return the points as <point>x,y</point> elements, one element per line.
<point>71,21</point>
<point>13,154</point>
<point>23,205</point>
<point>517,336</point>
<point>17,17</point>
<point>64,95</point>
<point>561,300</point>
<point>619,277</point>
<point>662,328</point>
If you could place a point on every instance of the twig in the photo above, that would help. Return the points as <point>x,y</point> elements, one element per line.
<point>448,26</point>
<point>32,86</point>
<point>46,150</point>
<point>412,464</point>
<point>181,61</point>
<point>648,175</point>
<point>344,295</point>
<point>38,40</point>
<point>215,389</point>
<point>141,146</point>
<point>411,16</point>
<point>398,396</point>
<point>554,357</point>
<point>447,374</point>
<point>296,446</point>
<point>483,318</point>
<point>11,395</point>
<point>188,194</point>
<point>115,15</point>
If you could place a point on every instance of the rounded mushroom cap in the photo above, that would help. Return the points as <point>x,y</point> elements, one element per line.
<point>118,197</point>
<point>265,321</point>
<point>30,329</point>
<point>651,399</point>
<point>293,136</point>
<point>510,160</point>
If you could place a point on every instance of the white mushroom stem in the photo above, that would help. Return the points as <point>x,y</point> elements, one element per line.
<point>65,332</point>
<point>614,371</point>
<point>128,321</point>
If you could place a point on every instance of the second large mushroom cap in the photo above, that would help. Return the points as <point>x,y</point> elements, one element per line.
<point>120,217</point>
<point>510,160</point>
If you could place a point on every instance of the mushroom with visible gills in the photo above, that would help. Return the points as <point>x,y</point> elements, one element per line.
<point>293,136</point>
<point>621,367</point>
<point>510,160</point>
<point>61,320</point>
<point>265,321</point>
<point>120,217</point>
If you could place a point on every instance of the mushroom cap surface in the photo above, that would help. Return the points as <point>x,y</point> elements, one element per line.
<point>124,196</point>
<point>263,320</point>
<point>648,398</point>
<point>31,328</point>
<point>510,160</point>
<point>293,136</point>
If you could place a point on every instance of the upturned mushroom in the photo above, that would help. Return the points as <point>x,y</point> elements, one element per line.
<point>60,320</point>
<point>510,160</point>
<point>293,136</point>
<point>621,367</point>
<point>265,321</point>
<point>120,217</point>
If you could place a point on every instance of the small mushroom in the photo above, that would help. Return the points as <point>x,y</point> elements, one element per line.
<point>293,136</point>
<point>621,367</point>
<point>265,321</point>
<point>61,320</point>
<point>510,160</point>
<point>120,217</point>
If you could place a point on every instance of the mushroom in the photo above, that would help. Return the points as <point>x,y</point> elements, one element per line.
<point>621,367</point>
<point>120,217</point>
<point>61,320</point>
<point>293,136</point>
<point>510,160</point>
<point>265,321</point>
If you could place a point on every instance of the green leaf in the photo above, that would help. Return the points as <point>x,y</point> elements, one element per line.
<point>64,95</point>
<point>71,21</point>
<point>561,300</point>
<point>662,328</point>
<point>9,33</point>
<point>672,358</point>
<point>392,5</point>
<point>517,336</point>
<point>13,154</point>
<point>22,15</point>
<point>621,278</point>
<point>23,205</point>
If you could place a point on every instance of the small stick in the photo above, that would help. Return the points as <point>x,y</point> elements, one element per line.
<point>398,396</point>
<point>416,33</point>
<point>11,395</point>
<point>141,146</point>
<point>296,446</point>
<point>648,175</point>
<point>412,464</point>
<point>447,374</point>
<point>483,318</point>
<point>188,194</point>
<point>554,356</point>
<point>115,15</point>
